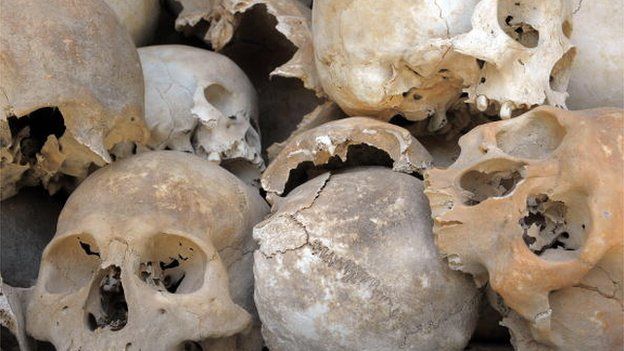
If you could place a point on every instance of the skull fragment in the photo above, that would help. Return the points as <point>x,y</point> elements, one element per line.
<point>533,205</point>
<point>71,89</point>
<point>151,253</point>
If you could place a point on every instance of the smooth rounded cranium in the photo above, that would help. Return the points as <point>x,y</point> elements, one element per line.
<point>532,205</point>
<point>347,262</point>
<point>150,252</point>
<point>200,102</point>
<point>71,89</point>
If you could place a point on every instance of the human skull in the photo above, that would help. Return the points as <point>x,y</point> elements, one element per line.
<point>150,252</point>
<point>200,102</point>
<point>382,58</point>
<point>71,89</point>
<point>532,205</point>
<point>596,77</point>
<point>139,17</point>
<point>414,59</point>
<point>347,262</point>
<point>525,51</point>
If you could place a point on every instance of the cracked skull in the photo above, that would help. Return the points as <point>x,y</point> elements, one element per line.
<point>418,59</point>
<point>532,205</point>
<point>347,262</point>
<point>151,253</point>
<point>61,108</point>
<point>200,102</point>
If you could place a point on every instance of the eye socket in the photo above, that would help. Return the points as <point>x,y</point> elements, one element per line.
<point>70,263</point>
<point>536,136</point>
<point>173,264</point>
<point>492,178</point>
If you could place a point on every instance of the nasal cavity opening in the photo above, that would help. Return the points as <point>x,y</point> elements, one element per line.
<point>31,131</point>
<point>106,305</point>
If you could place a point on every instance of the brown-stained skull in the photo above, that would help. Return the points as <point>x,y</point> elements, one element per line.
<point>151,253</point>
<point>532,205</point>
<point>71,89</point>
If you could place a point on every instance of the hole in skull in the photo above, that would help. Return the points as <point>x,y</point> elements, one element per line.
<point>106,306</point>
<point>86,247</point>
<point>191,346</point>
<point>560,73</point>
<point>534,137</point>
<point>545,227</point>
<point>357,155</point>
<point>514,22</point>
<point>174,264</point>
<point>484,184</point>
<point>401,121</point>
<point>32,130</point>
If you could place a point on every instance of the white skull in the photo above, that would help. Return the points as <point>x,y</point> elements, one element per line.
<point>71,89</point>
<point>347,262</point>
<point>150,252</point>
<point>139,17</point>
<point>532,205</point>
<point>200,102</point>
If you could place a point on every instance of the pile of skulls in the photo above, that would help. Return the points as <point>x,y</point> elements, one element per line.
<point>294,175</point>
